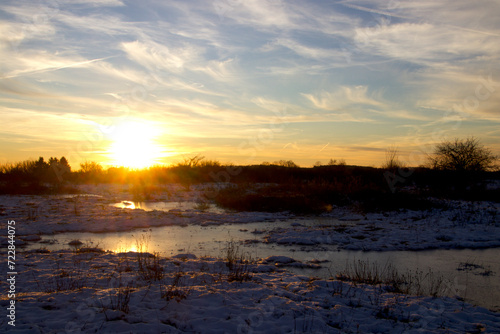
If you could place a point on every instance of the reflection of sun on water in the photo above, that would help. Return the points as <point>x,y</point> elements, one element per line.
<point>139,245</point>
<point>134,145</point>
<point>126,248</point>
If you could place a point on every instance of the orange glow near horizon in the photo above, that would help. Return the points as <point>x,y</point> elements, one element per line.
<point>125,247</point>
<point>134,145</point>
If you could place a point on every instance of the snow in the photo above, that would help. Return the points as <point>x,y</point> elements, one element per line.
<point>92,291</point>
<point>95,212</point>
<point>67,290</point>
<point>459,226</point>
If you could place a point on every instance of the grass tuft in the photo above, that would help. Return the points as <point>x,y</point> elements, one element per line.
<point>414,283</point>
<point>237,262</point>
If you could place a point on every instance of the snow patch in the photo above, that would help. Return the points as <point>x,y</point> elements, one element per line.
<point>104,293</point>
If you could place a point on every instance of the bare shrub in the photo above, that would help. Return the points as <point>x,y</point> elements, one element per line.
<point>117,298</point>
<point>415,283</point>
<point>149,265</point>
<point>467,155</point>
<point>366,273</point>
<point>191,162</point>
<point>175,290</point>
<point>286,163</point>
<point>392,159</point>
<point>237,263</point>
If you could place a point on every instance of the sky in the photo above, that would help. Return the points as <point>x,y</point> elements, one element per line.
<point>154,82</point>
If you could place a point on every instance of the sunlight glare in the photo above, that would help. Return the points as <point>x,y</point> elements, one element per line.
<point>123,248</point>
<point>134,145</point>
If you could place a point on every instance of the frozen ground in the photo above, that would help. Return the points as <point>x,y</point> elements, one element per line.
<point>93,213</point>
<point>460,225</point>
<point>65,292</point>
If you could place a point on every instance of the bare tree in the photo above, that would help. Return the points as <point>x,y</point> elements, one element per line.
<point>89,167</point>
<point>463,155</point>
<point>191,162</point>
<point>392,159</point>
<point>286,163</point>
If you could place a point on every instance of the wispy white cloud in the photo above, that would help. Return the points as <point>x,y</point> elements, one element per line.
<point>42,125</point>
<point>221,72</point>
<point>12,34</point>
<point>98,3</point>
<point>47,64</point>
<point>306,51</point>
<point>109,25</point>
<point>423,43</point>
<point>155,56</point>
<point>287,113</point>
<point>343,97</point>
<point>257,13</point>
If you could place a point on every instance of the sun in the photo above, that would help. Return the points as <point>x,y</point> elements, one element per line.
<point>134,145</point>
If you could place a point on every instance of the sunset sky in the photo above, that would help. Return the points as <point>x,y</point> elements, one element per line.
<point>141,82</point>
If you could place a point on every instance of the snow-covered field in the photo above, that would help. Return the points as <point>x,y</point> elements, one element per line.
<point>461,225</point>
<point>83,213</point>
<point>69,291</point>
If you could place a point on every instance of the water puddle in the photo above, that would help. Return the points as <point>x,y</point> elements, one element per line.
<point>169,240</point>
<point>170,206</point>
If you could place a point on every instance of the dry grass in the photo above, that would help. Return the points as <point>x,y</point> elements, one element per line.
<point>414,283</point>
<point>237,262</point>
<point>149,265</point>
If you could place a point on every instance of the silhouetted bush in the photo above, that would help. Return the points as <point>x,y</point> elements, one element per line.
<point>36,177</point>
<point>270,200</point>
<point>268,187</point>
<point>463,155</point>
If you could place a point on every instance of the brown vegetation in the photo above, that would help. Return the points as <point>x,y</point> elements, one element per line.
<point>283,185</point>
<point>463,155</point>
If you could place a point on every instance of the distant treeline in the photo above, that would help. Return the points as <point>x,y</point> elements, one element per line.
<point>460,169</point>
<point>305,189</point>
<point>34,176</point>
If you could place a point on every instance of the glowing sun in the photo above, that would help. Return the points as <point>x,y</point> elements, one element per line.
<point>134,145</point>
